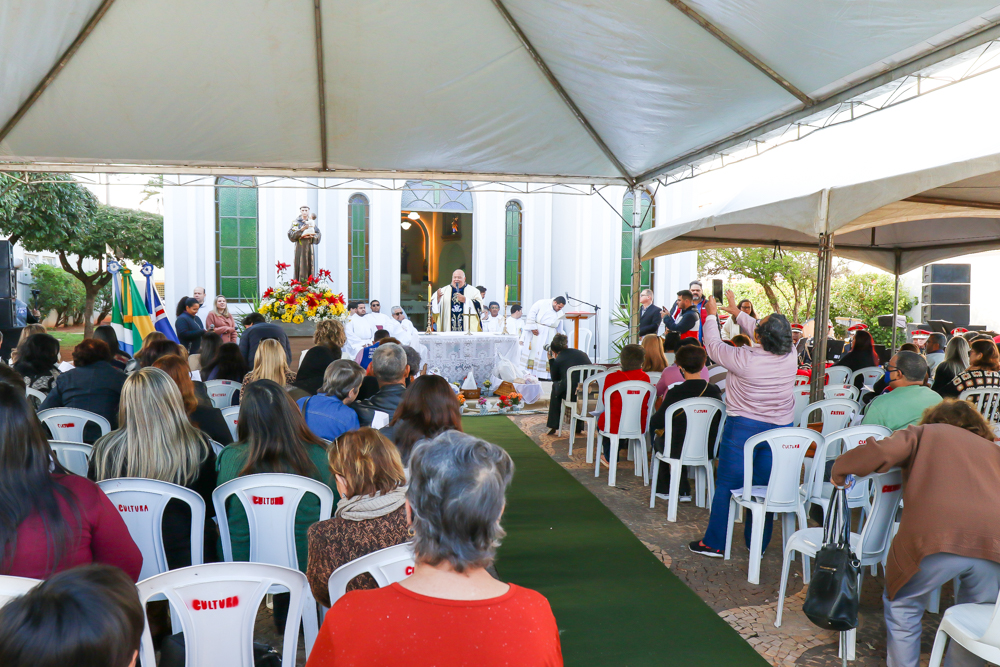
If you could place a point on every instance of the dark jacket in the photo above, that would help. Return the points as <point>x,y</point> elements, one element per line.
<point>252,336</point>
<point>649,320</point>
<point>685,390</point>
<point>209,419</point>
<point>560,366</point>
<point>687,321</point>
<point>189,330</point>
<point>97,388</point>
<point>386,400</point>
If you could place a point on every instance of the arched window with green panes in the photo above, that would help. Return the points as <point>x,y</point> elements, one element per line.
<point>512,252</point>
<point>646,268</point>
<point>236,265</point>
<point>357,267</point>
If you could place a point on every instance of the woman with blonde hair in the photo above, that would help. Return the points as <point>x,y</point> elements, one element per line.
<point>157,441</point>
<point>221,321</point>
<point>26,333</point>
<point>269,363</point>
<point>370,515</point>
<point>330,333</point>
<point>655,360</point>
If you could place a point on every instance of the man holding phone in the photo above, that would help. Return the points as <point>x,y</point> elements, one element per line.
<point>688,320</point>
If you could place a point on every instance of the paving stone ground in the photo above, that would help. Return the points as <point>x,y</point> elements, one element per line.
<point>750,609</point>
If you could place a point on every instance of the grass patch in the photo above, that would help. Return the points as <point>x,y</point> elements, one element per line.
<point>66,338</point>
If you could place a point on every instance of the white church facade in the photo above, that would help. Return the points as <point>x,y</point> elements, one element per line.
<point>389,241</point>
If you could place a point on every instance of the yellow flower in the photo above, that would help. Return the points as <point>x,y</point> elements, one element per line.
<point>298,319</point>
<point>263,309</point>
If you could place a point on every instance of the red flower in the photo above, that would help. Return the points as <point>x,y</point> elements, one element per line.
<point>298,289</point>
<point>290,301</point>
<point>312,280</point>
<point>282,266</point>
<point>268,293</point>
<point>323,273</point>
<point>293,282</point>
<point>312,301</point>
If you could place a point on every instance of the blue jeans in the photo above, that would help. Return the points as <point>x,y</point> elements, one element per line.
<point>730,476</point>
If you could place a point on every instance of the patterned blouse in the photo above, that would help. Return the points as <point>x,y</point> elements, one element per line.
<point>42,383</point>
<point>334,542</point>
<point>975,379</point>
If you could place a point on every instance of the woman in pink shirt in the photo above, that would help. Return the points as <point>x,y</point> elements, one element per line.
<point>221,322</point>
<point>758,398</point>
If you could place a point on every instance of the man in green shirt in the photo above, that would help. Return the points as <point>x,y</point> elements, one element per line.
<point>908,399</point>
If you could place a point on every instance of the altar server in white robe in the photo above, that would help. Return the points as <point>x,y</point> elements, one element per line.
<point>495,322</point>
<point>456,303</point>
<point>378,319</point>
<point>405,333</point>
<point>359,329</point>
<point>543,321</point>
<point>514,324</point>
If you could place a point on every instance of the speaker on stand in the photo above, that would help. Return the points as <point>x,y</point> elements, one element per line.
<point>946,293</point>
<point>8,286</point>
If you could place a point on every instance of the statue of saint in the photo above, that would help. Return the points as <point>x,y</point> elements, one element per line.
<point>304,234</point>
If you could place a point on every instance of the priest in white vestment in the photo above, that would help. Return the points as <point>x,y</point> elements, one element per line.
<point>455,304</point>
<point>406,333</point>
<point>495,322</point>
<point>380,320</point>
<point>543,321</point>
<point>514,324</point>
<point>359,331</point>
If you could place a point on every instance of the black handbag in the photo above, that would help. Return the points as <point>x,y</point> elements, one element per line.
<point>834,590</point>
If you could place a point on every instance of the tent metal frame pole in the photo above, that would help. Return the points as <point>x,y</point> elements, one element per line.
<point>824,268</point>
<point>321,82</point>
<point>895,300</point>
<point>636,225</point>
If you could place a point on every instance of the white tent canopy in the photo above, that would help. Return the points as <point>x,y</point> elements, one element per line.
<point>592,91</point>
<point>897,189</point>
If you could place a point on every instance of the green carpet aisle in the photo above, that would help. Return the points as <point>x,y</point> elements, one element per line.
<point>615,603</point>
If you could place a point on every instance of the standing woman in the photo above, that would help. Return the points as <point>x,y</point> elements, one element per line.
<point>156,441</point>
<point>731,328</point>
<point>50,519</point>
<point>189,327</point>
<point>270,363</point>
<point>221,322</point>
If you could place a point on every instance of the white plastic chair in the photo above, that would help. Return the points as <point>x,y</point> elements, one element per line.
<point>634,395</point>
<point>217,605</point>
<point>232,417</point>
<point>801,380</point>
<point>216,446</point>
<point>222,391</point>
<point>871,375</point>
<point>588,419</point>
<point>581,372</point>
<point>66,424</point>
<point>654,377</point>
<point>870,545</point>
<point>38,396</point>
<point>848,391</point>
<point>801,396</point>
<point>987,401</point>
<point>74,456</point>
<point>975,626</point>
<point>699,413</point>
<point>584,342</point>
<point>717,370</point>
<point>387,566</point>
<point>836,414</point>
<point>270,501</point>
<point>780,495</point>
<point>141,503</point>
<point>15,587</point>
<point>838,375</point>
<point>818,489</point>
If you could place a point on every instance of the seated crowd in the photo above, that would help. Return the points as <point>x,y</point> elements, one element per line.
<point>416,479</point>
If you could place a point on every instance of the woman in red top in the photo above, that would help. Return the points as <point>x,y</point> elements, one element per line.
<point>450,611</point>
<point>51,520</point>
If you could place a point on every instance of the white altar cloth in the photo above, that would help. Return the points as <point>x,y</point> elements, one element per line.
<point>455,354</point>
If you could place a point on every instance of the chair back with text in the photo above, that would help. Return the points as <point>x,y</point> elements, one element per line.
<point>232,417</point>
<point>837,443</point>
<point>870,375</point>
<point>837,413</point>
<point>699,413</point>
<point>848,391</point>
<point>636,407</point>
<point>141,503</point>
<point>876,534</point>
<point>387,566</point>
<point>986,400</point>
<point>217,605</point>
<point>788,450</point>
<point>221,392</point>
<point>270,501</point>
<point>66,424</point>
<point>838,375</point>
<point>74,456</point>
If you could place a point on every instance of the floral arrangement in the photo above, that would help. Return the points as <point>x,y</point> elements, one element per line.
<point>515,399</point>
<point>294,302</point>
<point>461,398</point>
<point>505,401</point>
<point>482,401</point>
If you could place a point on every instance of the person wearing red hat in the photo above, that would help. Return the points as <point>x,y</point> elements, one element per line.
<point>852,330</point>
<point>800,343</point>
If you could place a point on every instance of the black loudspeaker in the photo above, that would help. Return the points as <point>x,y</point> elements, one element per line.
<point>946,293</point>
<point>8,317</point>
<point>8,286</point>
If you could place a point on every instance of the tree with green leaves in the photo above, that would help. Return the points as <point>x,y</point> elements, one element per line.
<point>788,279</point>
<point>866,296</point>
<point>55,213</point>
<point>58,291</point>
